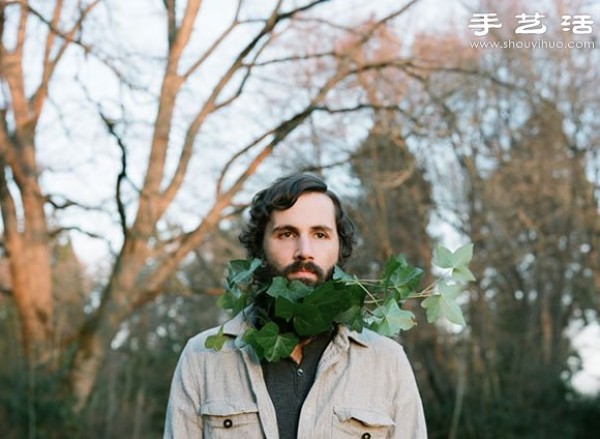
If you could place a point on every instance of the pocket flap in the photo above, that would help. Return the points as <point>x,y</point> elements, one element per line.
<point>226,408</point>
<point>368,417</point>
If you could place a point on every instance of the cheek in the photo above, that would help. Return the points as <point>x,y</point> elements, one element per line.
<point>277,254</point>
<point>332,254</point>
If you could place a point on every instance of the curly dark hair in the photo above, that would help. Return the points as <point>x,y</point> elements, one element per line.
<point>281,195</point>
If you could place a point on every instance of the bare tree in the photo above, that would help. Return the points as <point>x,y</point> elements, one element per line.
<point>147,257</point>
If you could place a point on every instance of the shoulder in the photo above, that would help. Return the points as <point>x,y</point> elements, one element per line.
<point>371,338</point>
<point>377,345</point>
<point>198,342</point>
<point>232,330</point>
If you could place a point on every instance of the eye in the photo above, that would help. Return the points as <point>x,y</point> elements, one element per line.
<point>284,235</point>
<point>321,235</point>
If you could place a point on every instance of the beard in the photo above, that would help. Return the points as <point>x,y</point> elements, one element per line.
<point>265,304</point>
<point>268,272</point>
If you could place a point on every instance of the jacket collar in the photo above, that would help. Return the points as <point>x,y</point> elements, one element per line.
<point>238,325</point>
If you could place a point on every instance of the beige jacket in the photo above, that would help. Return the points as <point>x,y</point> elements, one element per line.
<point>364,388</point>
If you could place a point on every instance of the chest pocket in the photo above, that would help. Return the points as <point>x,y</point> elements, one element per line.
<point>231,419</point>
<point>350,422</point>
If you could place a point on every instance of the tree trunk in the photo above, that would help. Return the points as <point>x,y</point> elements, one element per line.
<point>27,248</point>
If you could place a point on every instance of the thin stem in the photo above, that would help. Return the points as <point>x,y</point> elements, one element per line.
<point>373,298</point>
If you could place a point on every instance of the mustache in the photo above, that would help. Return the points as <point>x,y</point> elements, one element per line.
<point>311,267</point>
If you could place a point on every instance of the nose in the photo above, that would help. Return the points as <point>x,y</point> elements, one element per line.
<point>304,250</point>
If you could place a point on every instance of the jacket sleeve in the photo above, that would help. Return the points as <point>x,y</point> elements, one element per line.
<point>409,414</point>
<point>183,419</point>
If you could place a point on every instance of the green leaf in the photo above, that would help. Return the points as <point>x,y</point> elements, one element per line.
<point>463,255</point>
<point>239,280</point>
<point>339,274</point>
<point>440,305</point>
<point>444,258</point>
<point>285,308</point>
<point>216,341</point>
<point>249,337</point>
<point>332,298</point>
<point>229,300</point>
<point>401,277</point>
<point>293,291</point>
<point>390,319</point>
<point>406,276</point>
<point>240,271</point>
<point>270,344</point>
<point>319,309</point>
<point>462,274</point>
<point>309,320</point>
<point>391,265</point>
<point>449,290</point>
<point>352,317</point>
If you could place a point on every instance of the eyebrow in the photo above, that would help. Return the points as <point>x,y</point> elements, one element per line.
<point>290,228</point>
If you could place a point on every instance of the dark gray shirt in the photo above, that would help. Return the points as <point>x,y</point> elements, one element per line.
<point>288,383</point>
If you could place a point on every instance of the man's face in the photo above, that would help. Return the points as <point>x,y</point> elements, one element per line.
<point>301,243</point>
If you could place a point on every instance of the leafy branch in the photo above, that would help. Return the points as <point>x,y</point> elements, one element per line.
<point>291,311</point>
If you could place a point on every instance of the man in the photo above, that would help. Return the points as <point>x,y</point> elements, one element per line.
<point>338,384</point>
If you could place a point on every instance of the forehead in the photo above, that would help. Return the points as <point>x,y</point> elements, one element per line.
<point>312,209</point>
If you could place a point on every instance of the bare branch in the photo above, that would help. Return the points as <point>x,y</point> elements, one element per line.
<point>153,202</point>
<point>171,23</point>
<point>12,73</point>
<point>110,126</point>
<point>50,38</point>
<point>244,80</point>
<point>237,155</point>
<point>66,203</point>
<point>293,12</point>
<point>319,168</point>
<point>155,170</point>
<point>55,232</point>
<point>179,37</point>
<point>211,105</point>
<point>21,30</point>
<point>8,209</point>
<point>215,45</point>
<point>390,17</point>
<point>293,58</point>
<point>321,21</point>
<point>49,65</point>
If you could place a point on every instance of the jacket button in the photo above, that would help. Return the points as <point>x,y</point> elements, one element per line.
<point>366,436</point>
<point>227,423</point>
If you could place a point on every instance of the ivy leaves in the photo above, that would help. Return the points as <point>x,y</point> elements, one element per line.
<point>269,343</point>
<point>444,303</point>
<point>458,261</point>
<point>293,310</point>
<point>239,284</point>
